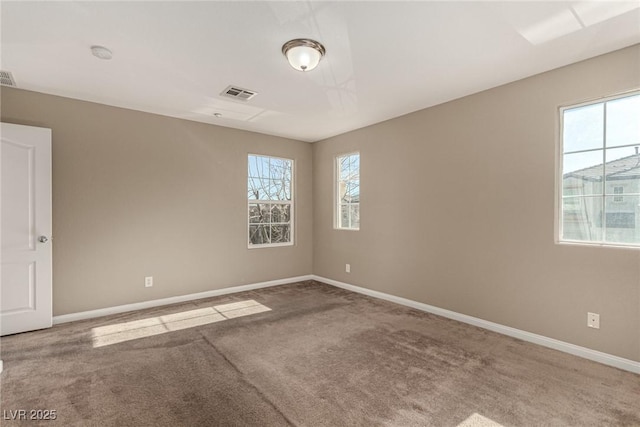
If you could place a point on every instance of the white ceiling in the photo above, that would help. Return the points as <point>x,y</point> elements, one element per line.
<point>384,59</point>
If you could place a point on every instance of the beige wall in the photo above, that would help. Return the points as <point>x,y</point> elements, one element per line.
<point>457,211</point>
<point>137,194</point>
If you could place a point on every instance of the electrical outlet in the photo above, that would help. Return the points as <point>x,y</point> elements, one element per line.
<point>148,281</point>
<point>593,320</point>
<point>347,268</point>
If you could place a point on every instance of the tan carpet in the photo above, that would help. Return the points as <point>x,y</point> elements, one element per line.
<point>304,354</point>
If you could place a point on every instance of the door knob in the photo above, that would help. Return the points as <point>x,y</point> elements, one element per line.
<point>43,239</point>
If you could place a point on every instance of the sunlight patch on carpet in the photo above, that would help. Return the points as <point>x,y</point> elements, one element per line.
<point>135,329</point>
<point>477,420</point>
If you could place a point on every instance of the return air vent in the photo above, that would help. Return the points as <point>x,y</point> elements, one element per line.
<point>6,79</point>
<point>238,93</point>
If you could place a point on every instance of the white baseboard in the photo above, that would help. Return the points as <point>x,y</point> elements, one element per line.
<point>576,350</point>
<point>587,353</point>
<point>72,317</point>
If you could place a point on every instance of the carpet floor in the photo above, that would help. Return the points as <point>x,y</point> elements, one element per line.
<point>304,354</point>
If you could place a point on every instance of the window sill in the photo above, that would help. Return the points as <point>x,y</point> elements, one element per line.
<point>270,245</point>
<point>597,244</point>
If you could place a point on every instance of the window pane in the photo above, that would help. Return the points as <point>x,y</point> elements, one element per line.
<point>354,166</point>
<point>275,169</point>
<point>342,191</point>
<point>622,170</point>
<point>270,188</point>
<point>353,191</point>
<point>287,174</point>
<point>287,184</point>
<point>583,128</point>
<point>280,177</point>
<point>259,213</point>
<point>582,218</point>
<point>281,191</point>
<point>280,213</point>
<point>254,214</point>
<point>582,173</point>
<point>276,213</point>
<point>262,189</point>
<point>259,189</point>
<point>259,234</point>
<point>344,216</point>
<point>622,220</point>
<point>355,215</point>
<point>258,166</point>
<point>278,168</point>
<point>623,121</point>
<point>280,234</point>
<point>343,163</point>
<point>253,187</point>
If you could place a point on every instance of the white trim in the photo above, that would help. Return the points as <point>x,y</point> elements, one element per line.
<point>603,98</point>
<point>587,353</point>
<point>558,162</point>
<point>72,317</point>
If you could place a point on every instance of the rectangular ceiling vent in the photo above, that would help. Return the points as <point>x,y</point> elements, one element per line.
<point>238,93</point>
<point>6,79</point>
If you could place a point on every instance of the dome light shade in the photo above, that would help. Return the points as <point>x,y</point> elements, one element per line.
<point>303,54</point>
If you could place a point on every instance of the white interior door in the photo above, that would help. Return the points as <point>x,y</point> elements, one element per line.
<point>25,231</point>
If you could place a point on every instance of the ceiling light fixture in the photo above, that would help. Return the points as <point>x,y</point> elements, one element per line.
<point>303,54</point>
<point>101,52</point>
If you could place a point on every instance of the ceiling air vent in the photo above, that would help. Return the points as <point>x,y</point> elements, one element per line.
<point>238,93</point>
<point>6,79</point>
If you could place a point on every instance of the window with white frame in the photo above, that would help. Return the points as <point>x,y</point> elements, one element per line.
<point>348,191</point>
<point>270,201</point>
<point>599,163</point>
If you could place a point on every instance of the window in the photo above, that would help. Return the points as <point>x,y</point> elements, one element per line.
<point>618,191</point>
<point>600,170</point>
<point>270,201</point>
<point>348,191</point>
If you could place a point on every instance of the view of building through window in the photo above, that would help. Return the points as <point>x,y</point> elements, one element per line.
<point>270,200</point>
<point>601,172</point>
<point>348,191</point>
